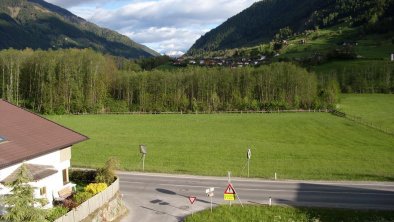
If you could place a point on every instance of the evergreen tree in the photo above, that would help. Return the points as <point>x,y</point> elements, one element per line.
<point>21,204</point>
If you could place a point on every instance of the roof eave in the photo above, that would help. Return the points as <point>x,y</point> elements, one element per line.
<point>42,153</point>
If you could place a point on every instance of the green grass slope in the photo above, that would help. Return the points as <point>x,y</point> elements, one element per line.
<point>279,19</point>
<point>296,146</point>
<point>377,109</point>
<point>325,41</point>
<point>286,214</point>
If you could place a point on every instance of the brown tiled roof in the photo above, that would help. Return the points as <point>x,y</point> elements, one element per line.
<point>36,172</point>
<point>28,135</point>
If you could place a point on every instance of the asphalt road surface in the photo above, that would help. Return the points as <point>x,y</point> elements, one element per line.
<point>164,198</point>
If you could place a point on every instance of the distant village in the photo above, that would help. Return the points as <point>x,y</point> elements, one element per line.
<point>238,62</point>
<point>221,61</point>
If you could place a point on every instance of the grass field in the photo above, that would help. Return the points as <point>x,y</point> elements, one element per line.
<point>375,108</point>
<point>376,46</point>
<point>295,145</point>
<point>286,214</point>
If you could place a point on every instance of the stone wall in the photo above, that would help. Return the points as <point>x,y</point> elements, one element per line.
<point>110,211</point>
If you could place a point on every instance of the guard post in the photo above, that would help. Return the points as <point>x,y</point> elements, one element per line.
<point>248,156</point>
<point>143,151</point>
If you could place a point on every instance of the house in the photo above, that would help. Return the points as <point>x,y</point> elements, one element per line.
<point>42,145</point>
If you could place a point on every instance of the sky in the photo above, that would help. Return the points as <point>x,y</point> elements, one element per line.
<point>167,26</point>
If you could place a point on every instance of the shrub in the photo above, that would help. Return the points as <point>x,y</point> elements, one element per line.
<point>82,176</point>
<point>56,213</point>
<point>95,188</point>
<point>81,197</point>
<point>69,204</point>
<point>107,173</point>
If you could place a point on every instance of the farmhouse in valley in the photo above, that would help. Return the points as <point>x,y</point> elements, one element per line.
<point>42,145</point>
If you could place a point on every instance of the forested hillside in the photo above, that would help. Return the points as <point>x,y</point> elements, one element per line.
<point>79,81</point>
<point>37,24</point>
<point>278,19</point>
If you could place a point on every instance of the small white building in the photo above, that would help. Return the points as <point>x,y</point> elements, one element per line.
<point>42,145</point>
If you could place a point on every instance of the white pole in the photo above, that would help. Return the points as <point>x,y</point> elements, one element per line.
<point>248,167</point>
<point>229,181</point>
<point>143,162</point>
<point>270,202</point>
<point>275,176</point>
<point>211,204</point>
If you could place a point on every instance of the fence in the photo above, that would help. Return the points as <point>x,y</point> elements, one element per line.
<point>359,120</point>
<point>85,209</point>
<point>211,112</point>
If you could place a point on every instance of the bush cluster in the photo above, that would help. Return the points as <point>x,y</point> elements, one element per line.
<point>56,213</point>
<point>81,197</point>
<point>95,188</point>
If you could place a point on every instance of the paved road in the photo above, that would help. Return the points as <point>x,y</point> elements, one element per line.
<point>159,197</point>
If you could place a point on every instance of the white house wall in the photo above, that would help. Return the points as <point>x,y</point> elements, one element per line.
<point>52,183</point>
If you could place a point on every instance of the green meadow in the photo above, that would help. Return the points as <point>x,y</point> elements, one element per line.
<point>375,47</point>
<point>284,214</point>
<point>313,146</point>
<point>377,109</point>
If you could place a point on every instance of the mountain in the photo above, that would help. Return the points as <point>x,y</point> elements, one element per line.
<point>37,24</point>
<point>269,19</point>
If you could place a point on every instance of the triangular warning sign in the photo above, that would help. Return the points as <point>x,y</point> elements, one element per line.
<point>192,199</point>
<point>230,189</point>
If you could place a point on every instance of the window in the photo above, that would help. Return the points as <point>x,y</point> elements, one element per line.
<point>43,191</point>
<point>65,176</point>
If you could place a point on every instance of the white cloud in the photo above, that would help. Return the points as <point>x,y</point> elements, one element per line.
<point>178,13</point>
<point>178,38</point>
<point>71,3</point>
<point>164,25</point>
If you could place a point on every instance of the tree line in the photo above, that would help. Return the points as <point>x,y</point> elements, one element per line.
<point>84,81</point>
<point>365,77</point>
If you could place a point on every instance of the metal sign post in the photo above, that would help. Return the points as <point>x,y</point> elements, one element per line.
<point>143,151</point>
<point>192,199</point>
<point>229,182</point>
<point>248,156</point>
<point>230,194</point>
<point>210,194</point>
